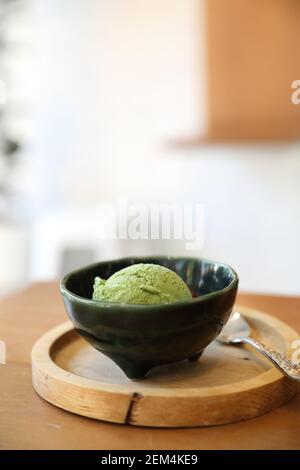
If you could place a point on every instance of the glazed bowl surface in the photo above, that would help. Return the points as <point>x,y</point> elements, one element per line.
<point>140,337</point>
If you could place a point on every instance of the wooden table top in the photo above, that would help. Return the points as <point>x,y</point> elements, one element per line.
<point>28,422</point>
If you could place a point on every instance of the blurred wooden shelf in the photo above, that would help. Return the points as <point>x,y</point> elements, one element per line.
<point>252,60</point>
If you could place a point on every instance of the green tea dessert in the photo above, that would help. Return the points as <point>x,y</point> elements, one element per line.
<point>146,284</point>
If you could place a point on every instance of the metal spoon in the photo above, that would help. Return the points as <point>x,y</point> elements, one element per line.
<point>237,331</point>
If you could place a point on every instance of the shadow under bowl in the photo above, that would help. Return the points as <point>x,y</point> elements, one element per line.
<point>140,337</point>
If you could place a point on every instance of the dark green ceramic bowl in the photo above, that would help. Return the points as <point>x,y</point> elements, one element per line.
<point>139,337</point>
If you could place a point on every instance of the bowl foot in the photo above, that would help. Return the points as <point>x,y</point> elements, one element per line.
<point>138,371</point>
<point>134,371</point>
<point>195,357</point>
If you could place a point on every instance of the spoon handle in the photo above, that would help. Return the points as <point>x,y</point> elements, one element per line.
<point>282,363</point>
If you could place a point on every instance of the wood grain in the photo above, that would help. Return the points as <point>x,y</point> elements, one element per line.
<point>28,422</point>
<point>221,388</point>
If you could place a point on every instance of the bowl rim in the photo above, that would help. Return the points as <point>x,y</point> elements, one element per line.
<point>121,305</point>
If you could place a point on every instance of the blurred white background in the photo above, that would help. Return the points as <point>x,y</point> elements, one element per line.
<point>111,84</point>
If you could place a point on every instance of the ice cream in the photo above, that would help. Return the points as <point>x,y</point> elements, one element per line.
<point>142,284</point>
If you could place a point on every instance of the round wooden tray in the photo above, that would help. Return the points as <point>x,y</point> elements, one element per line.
<point>226,385</point>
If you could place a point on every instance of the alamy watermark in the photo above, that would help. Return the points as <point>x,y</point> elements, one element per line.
<point>2,352</point>
<point>295,96</point>
<point>3,93</point>
<point>154,221</point>
<point>296,354</point>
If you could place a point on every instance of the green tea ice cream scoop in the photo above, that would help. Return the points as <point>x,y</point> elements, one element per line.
<point>142,284</point>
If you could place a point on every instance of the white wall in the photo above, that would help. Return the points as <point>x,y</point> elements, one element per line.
<point>119,79</point>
